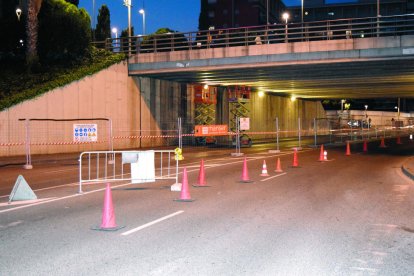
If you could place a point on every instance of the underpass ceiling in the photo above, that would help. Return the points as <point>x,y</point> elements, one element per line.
<point>388,78</point>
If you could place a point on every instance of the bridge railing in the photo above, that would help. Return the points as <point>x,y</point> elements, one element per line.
<point>396,25</point>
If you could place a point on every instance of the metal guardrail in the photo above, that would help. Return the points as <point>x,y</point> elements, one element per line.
<point>103,166</point>
<point>350,28</point>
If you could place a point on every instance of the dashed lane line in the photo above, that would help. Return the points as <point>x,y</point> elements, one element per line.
<point>273,176</point>
<point>151,223</point>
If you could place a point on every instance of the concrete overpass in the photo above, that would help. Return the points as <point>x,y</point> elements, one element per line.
<point>329,67</point>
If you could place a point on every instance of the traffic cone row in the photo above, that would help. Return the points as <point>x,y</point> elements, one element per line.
<point>108,215</point>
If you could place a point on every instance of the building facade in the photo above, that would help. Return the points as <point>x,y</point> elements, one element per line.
<point>318,10</point>
<point>222,14</point>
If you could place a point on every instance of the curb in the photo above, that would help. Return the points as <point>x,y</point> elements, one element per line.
<point>407,172</point>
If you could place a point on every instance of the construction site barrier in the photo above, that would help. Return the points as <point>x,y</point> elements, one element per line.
<point>134,166</point>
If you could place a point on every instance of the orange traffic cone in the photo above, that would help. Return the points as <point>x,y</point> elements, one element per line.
<point>245,173</point>
<point>185,193</point>
<point>264,169</point>
<point>348,149</point>
<point>321,155</point>
<point>365,146</point>
<point>295,163</point>
<point>108,214</point>
<point>201,176</point>
<point>382,144</point>
<point>278,166</point>
<point>399,140</point>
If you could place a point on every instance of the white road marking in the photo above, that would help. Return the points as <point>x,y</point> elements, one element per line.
<point>151,223</point>
<point>60,198</point>
<point>21,202</point>
<point>273,176</point>
<point>48,188</point>
<point>250,158</point>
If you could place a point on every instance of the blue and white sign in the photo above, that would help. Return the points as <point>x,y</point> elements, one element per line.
<point>85,132</point>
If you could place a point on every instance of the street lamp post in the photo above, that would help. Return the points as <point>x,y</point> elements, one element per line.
<point>93,20</point>
<point>18,13</point>
<point>285,16</point>
<point>378,16</point>
<point>128,4</point>
<point>142,11</point>
<point>115,31</point>
<point>267,12</point>
<point>302,3</point>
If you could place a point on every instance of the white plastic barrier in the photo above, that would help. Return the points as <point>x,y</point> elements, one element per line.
<point>133,166</point>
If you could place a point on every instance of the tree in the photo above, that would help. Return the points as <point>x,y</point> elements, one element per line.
<point>64,32</point>
<point>124,34</point>
<point>203,19</point>
<point>164,40</point>
<point>74,2</point>
<point>103,28</point>
<point>33,7</point>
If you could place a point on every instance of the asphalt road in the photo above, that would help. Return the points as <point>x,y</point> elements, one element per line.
<point>351,215</point>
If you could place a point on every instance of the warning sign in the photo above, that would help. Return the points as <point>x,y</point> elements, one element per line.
<point>244,123</point>
<point>210,130</point>
<point>85,132</point>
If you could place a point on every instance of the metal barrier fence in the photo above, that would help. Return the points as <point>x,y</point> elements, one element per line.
<point>316,131</point>
<point>395,25</point>
<point>134,166</point>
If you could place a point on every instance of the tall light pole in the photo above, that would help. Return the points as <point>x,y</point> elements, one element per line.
<point>378,16</point>
<point>285,16</point>
<point>18,13</point>
<point>267,12</point>
<point>128,4</point>
<point>302,3</point>
<point>115,31</point>
<point>93,20</point>
<point>142,11</point>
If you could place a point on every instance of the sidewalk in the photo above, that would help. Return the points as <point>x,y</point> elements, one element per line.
<point>408,167</point>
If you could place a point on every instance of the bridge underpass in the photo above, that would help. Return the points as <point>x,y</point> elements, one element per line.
<point>369,67</point>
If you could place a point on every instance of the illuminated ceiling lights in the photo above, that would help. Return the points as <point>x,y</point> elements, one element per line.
<point>293,98</point>
<point>261,94</point>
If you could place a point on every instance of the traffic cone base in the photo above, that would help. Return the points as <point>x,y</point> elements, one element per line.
<point>108,214</point>
<point>185,193</point>
<point>264,169</point>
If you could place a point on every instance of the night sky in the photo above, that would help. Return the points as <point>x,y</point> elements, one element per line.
<point>179,15</point>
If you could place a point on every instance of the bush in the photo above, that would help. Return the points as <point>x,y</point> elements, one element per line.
<point>17,87</point>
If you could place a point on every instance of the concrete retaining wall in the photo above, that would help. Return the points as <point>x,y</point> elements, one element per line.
<point>137,107</point>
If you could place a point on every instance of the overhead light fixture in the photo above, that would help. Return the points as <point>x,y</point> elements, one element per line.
<point>261,94</point>
<point>205,86</point>
<point>293,98</point>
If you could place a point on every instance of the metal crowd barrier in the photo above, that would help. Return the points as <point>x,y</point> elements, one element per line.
<point>134,166</point>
